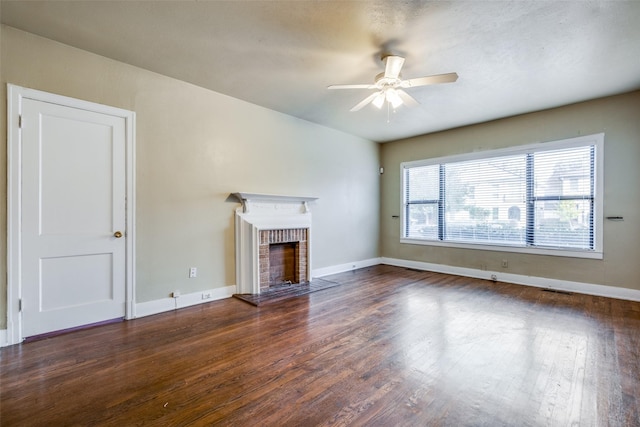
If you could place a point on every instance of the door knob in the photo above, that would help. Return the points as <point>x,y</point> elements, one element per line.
<point>117,234</point>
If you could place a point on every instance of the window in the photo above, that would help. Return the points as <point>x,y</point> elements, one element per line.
<point>543,198</point>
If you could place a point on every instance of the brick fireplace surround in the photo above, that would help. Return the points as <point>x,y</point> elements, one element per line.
<point>264,220</point>
<point>271,237</point>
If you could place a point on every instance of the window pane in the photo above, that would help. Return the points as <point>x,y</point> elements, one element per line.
<point>564,223</point>
<point>485,200</point>
<point>544,196</point>
<point>423,183</point>
<point>562,172</point>
<point>423,221</point>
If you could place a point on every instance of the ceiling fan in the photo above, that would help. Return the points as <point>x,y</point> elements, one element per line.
<point>389,85</point>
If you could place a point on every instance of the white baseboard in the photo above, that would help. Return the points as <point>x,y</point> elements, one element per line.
<point>341,268</point>
<point>3,338</point>
<point>150,308</point>
<point>518,279</point>
<point>186,300</point>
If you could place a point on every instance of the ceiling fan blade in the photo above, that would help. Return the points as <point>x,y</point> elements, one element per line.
<point>393,66</point>
<point>407,99</point>
<point>364,102</point>
<point>430,80</point>
<point>352,87</point>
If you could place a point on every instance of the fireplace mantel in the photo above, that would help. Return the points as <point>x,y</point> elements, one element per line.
<point>247,199</point>
<point>267,212</point>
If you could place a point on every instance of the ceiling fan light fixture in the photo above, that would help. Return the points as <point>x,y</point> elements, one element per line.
<point>393,98</point>
<point>378,100</point>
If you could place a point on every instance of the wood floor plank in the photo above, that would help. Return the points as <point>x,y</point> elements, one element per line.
<point>388,346</point>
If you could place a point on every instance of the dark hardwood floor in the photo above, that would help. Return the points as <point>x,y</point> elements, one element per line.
<point>388,347</point>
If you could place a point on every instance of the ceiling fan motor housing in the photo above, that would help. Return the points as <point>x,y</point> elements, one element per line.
<point>382,81</point>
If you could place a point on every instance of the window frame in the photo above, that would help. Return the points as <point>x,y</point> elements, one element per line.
<point>596,140</point>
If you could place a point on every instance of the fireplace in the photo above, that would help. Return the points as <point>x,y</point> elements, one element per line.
<point>273,241</point>
<point>282,257</point>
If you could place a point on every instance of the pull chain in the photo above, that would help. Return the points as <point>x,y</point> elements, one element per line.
<point>389,112</point>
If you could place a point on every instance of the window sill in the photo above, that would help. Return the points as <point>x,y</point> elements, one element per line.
<point>570,253</point>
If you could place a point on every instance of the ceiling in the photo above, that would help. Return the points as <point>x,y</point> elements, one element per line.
<point>512,57</point>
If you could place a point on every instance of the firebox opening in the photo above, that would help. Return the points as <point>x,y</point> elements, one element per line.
<point>290,261</point>
<point>283,263</point>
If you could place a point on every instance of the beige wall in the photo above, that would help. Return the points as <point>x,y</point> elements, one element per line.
<point>618,117</point>
<point>194,148</point>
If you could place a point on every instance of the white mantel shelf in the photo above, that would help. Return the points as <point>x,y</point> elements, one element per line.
<point>247,198</point>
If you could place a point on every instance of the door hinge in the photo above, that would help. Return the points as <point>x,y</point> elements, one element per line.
<point>20,121</point>
<point>20,304</point>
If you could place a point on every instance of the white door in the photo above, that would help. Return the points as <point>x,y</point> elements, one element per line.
<point>73,236</point>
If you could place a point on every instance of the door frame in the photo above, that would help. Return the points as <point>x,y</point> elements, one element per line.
<point>15,95</point>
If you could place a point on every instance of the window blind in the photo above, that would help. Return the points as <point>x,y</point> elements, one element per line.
<point>537,198</point>
<point>563,198</point>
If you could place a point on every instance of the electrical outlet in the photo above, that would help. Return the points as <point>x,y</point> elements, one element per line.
<point>505,263</point>
<point>193,272</point>
<point>207,295</point>
<point>175,294</point>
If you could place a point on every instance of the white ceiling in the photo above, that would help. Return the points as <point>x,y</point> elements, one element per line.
<point>512,57</point>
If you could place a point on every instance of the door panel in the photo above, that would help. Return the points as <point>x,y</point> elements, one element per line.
<point>75,149</point>
<point>59,293</point>
<point>73,200</point>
